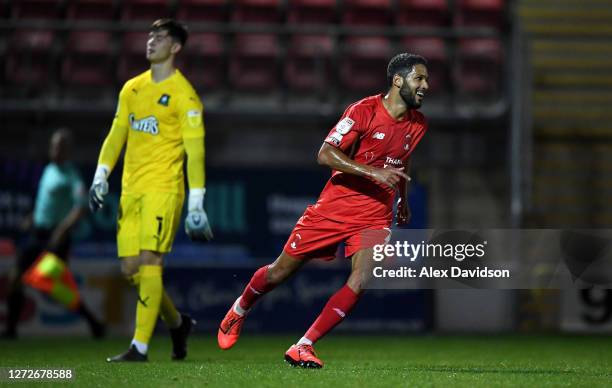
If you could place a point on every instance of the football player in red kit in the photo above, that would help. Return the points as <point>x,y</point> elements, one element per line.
<point>368,151</point>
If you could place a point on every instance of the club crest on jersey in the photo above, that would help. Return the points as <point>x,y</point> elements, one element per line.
<point>164,100</point>
<point>344,126</point>
<point>146,125</point>
<point>407,140</point>
<point>194,118</point>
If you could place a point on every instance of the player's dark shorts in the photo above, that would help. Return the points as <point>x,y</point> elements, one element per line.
<point>37,242</point>
<point>317,237</point>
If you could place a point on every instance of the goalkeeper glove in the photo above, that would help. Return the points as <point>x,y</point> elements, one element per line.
<point>99,188</point>
<point>196,223</point>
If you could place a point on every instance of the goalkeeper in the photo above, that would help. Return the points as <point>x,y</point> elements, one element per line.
<point>159,117</point>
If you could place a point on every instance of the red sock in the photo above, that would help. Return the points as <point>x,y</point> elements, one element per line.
<point>340,304</point>
<point>256,288</point>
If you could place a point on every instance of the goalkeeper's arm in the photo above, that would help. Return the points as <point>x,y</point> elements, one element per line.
<point>197,226</point>
<point>111,149</point>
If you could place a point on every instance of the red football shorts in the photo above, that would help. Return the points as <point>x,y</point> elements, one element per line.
<point>317,237</point>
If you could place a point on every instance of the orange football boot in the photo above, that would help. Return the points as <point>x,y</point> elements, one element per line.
<point>303,356</point>
<point>229,329</point>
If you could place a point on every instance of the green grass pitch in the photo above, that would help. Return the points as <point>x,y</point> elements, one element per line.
<point>351,361</point>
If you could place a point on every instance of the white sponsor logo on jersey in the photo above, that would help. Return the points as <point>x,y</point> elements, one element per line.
<point>393,162</point>
<point>378,135</point>
<point>345,125</point>
<point>146,125</point>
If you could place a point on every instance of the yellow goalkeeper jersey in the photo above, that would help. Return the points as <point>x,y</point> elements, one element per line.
<point>156,120</point>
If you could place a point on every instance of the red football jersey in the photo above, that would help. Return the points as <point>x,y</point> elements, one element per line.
<point>369,135</point>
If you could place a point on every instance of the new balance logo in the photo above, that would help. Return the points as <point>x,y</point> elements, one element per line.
<point>339,312</point>
<point>229,325</point>
<point>378,135</point>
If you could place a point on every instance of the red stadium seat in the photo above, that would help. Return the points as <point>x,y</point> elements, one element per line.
<point>257,11</point>
<point>132,56</point>
<point>423,13</point>
<point>203,10</point>
<point>312,11</point>
<point>30,58</point>
<point>254,61</point>
<point>91,9</point>
<point>88,60</point>
<point>364,62</point>
<point>308,65</point>
<point>37,9</point>
<point>434,50</point>
<point>134,43</point>
<point>146,10</point>
<point>203,61</point>
<point>367,12</point>
<point>481,13</point>
<point>480,66</point>
<point>32,40</point>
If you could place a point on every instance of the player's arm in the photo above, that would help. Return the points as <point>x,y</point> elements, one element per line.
<point>336,159</point>
<point>334,151</point>
<point>403,208</point>
<point>62,231</point>
<point>79,210</point>
<point>111,149</point>
<point>197,226</point>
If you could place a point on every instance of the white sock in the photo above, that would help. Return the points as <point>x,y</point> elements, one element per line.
<point>237,309</point>
<point>304,341</point>
<point>140,346</point>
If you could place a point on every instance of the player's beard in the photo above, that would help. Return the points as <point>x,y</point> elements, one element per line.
<point>409,97</point>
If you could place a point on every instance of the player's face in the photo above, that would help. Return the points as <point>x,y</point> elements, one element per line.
<point>414,87</point>
<point>159,46</point>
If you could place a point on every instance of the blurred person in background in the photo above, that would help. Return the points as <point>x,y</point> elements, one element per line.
<point>61,202</point>
<point>369,153</point>
<point>159,120</point>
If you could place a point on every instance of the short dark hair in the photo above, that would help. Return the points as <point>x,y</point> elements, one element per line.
<point>65,134</point>
<point>177,31</point>
<point>403,64</point>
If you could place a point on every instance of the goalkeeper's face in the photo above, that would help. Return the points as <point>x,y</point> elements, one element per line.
<point>161,46</point>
